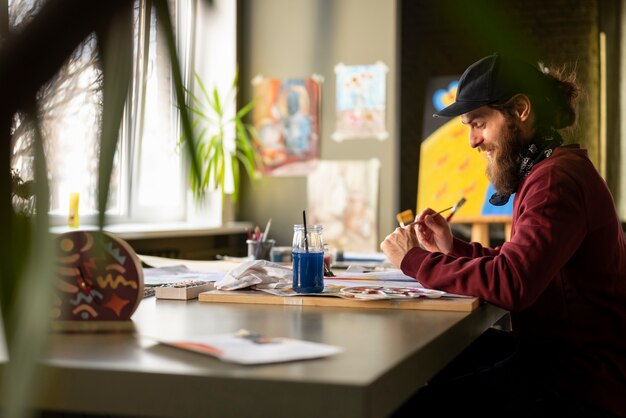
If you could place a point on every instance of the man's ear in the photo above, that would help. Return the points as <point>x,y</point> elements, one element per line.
<point>523,107</point>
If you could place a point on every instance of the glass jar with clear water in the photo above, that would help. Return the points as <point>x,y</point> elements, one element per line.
<point>308,259</point>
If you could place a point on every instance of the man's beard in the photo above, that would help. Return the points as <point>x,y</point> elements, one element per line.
<point>503,170</point>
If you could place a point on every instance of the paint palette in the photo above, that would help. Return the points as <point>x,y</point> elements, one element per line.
<point>99,278</point>
<point>382,292</point>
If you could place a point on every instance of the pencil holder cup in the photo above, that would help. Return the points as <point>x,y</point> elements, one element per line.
<point>260,251</point>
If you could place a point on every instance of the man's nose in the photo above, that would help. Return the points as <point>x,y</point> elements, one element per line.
<point>475,139</point>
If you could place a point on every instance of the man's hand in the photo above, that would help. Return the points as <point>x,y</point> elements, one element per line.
<point>398,243</point>
<point>433,232</point>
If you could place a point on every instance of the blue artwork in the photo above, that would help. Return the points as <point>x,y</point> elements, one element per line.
<point>360,101</point>
<point>295,121</point>
<point>286,120</point>
<point>489,209</point>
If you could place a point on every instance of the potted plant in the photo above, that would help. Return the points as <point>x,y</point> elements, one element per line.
<point>222,141</point>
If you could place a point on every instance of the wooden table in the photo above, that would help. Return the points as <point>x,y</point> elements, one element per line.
<point>388,355</point>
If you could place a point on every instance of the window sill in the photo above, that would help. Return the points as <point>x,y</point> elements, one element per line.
<point>161,230</point>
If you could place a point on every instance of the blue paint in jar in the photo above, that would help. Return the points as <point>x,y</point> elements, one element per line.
<point>308,272</point>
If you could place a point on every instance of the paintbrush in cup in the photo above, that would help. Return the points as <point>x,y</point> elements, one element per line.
<point>260,246</point>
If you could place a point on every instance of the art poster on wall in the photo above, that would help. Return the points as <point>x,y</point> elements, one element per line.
<point>286,118</point>
<point>361,101</point>
<point>449,169</point>
<point>343,197</point>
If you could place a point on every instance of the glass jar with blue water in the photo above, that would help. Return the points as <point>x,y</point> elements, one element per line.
<point>308,259</point>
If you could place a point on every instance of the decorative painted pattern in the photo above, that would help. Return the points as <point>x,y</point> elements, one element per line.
<point>99,277</point>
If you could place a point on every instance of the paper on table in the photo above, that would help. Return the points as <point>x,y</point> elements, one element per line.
<point>363,256</point>
<point>387,277</point>
<point>389,284</point>
<point>235,349</point>
<point>389,274</point>
<point>329,290</point>
<point>360,282</point>
<point>257,274</point>
<point>200,265</point>
<point>174,274</point>
<point>333,287</point>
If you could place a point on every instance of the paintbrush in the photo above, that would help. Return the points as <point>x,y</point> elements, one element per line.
<point>261,241</point>
<point>267,230</point>
<point>406,218</point>
<point>455,208</point>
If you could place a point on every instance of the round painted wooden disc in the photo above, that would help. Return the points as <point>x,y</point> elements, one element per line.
<point>99,277</point>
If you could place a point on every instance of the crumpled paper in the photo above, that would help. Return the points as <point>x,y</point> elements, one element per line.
<point>258,274</point>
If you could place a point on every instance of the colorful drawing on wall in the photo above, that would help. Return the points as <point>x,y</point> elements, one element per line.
<point>287,122</point>
<point>343,197</point>
<point>449,169</point>
<point>360,101</point>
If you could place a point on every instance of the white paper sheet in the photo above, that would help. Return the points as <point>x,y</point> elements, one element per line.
<point>174,274</point>
<point>236,349</point>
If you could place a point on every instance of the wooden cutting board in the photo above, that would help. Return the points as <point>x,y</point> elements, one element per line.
<point>256,296</point>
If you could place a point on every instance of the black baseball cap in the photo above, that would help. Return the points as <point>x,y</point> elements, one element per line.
<point>492,79</point>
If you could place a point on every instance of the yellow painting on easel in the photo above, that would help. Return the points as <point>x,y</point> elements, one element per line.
<point>450,170</point>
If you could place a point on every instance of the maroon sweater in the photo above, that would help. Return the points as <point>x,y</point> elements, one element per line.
<point>562,276</point>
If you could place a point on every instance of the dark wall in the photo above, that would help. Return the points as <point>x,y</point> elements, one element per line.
<point>443,37</point>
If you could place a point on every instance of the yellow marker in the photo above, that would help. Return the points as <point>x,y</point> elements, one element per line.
<point>72,217</point>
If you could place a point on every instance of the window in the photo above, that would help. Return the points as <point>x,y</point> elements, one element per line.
<point>159,182</point>
<point>149,175</point>
<point>73,94</point>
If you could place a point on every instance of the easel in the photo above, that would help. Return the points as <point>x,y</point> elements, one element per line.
<point>480,227</point>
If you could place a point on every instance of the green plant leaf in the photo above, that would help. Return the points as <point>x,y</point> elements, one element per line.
<point>213,170</point>
<point>244,146</point>
<point>165,23</point>
<point>216,103</point>
<point>236,177</point>
<point>214,143</point>
<point>115,47</point>
<point>214,155</point>
<point>194,99</point>
<point>201,144</point>
<point>248,162</point>
<point>182,137</point>
<point>205,92</point>
<point>199,112</point>
<point>235,79</point>
<point>29,329</point>
<point>246,109</point>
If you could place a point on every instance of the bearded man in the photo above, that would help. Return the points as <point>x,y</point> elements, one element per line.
<point>562,274</point>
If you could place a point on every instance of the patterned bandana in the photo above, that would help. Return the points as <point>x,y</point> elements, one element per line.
<point>541,148</point>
